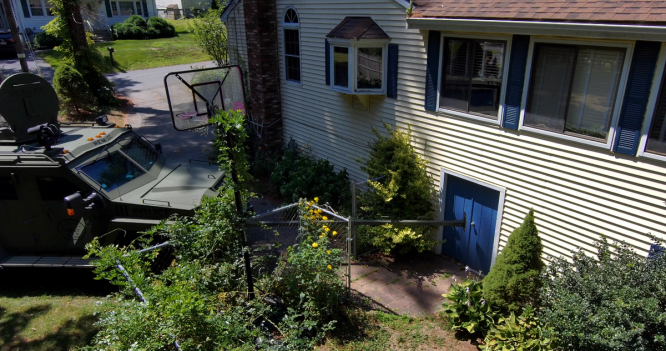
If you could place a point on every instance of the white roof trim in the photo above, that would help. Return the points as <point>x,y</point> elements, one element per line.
<point>403,3</point>
<point>588,30</point>
<point>227,10</point>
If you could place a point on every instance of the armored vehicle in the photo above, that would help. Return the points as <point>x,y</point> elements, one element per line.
<point>63,184</point>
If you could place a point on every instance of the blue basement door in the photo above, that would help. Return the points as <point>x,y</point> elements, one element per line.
<point>473,245</point>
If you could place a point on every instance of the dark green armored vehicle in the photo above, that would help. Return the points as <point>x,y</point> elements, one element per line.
<point>62,185</point>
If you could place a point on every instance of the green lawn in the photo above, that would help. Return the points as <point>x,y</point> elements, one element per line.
<point>132,55</point>
<point>48,310</point>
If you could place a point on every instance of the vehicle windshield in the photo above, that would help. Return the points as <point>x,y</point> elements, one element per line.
<point>112,171</point>
<point>143,154</point>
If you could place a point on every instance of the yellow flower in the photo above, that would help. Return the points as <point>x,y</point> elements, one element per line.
<point>311,211</point>
<point>328,252</point>
<point>335,233</point>
<point>316,199</point>
<point>325,218</point>
<point>330,267</point>
<point>311,203</point>
<point>326,229</point>
<point>315,245</point>
<point>319,210</point>
<point>321,236</point>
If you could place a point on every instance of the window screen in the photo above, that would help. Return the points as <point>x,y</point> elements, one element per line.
<point>573,89</point>
<point>55,188</point>
<point>7,189</point>
<point>126,8</point>
<point>292,55</point>
<point>341,66</point>
<point>370,67</point>
<point>472,75</point>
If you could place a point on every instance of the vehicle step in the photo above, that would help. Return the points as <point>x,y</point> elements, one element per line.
<point>45,261</point>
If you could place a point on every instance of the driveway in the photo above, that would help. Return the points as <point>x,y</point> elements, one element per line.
<point>150,114</point>
<point>36,65</point>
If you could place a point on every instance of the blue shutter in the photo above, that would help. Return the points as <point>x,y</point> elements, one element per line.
<point>392,74</point>
<point>107,4</point>
<point>432,69</point>
<point>26,10</point>
<point>636,96</point>
<point>145,8</point>
<point>520,45</point>
<point>327,59</point>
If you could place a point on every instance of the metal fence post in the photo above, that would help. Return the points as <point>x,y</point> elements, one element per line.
<point>352,219</point>
<point>349,252</point>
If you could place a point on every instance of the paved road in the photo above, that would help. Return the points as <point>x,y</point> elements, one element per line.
<point>150,115</point>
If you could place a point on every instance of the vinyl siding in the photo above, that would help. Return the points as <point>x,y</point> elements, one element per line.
<point>236,38</point>
<point>579,192</point>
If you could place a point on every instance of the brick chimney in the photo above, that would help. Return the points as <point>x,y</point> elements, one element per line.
<point>264,68</point>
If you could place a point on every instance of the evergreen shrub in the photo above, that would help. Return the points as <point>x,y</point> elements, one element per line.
<point>405,192</point>
<point>161,27</point>
<point>614,301</point>
<point>514,280</point>
<point>72,89</point>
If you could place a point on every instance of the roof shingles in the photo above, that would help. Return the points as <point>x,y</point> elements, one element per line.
<point>612,11</point>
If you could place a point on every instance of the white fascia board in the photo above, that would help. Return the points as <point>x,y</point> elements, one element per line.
<point>227,10</point>
<point>588,30</point>
<point>403,3</point>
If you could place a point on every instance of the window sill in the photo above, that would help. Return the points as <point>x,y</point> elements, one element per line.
<point>294,82</point>
<point>571,138</point>
<point>488,120</point>
<point>652,156</point>
<point>362,92</point>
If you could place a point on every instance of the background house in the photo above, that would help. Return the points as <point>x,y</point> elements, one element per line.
<point>546,104</point>
<point>98,15</point>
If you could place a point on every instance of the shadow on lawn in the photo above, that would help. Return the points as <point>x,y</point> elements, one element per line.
<point>70,334</point>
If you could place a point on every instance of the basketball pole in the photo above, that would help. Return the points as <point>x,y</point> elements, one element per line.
<point>16,35</point>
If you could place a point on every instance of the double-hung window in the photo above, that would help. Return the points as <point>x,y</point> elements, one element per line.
<point>36,8</point>
<point>472,76</point>
<point>573,89</point>
<point>126,8</point>
<point>656,135</point>
<point>292,46</point>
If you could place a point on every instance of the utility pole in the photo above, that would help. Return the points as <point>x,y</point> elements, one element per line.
<point>15,33</point>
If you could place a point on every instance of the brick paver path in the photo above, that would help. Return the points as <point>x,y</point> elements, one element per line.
<point>413,286</point>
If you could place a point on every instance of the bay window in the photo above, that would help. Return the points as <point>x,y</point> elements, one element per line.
<point>359,67</point>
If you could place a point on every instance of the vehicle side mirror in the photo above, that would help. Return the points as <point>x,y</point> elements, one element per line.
<point>74,204</point>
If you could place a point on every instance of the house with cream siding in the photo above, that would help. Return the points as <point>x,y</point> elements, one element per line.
<point>97,14</point>
<point>554,105</point>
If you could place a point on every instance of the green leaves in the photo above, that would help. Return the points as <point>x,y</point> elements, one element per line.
<point>211,35</point>
<point>468,309</point>
<point>523,333</point>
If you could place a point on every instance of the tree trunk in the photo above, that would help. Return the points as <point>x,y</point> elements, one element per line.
<point>75,24</point>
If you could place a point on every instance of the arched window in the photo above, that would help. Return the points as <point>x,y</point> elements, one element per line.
<point>292,46</point>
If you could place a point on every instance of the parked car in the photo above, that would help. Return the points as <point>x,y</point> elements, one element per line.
<point>7,45</point>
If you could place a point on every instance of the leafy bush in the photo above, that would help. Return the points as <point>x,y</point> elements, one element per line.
<point>468,309</point>
<point>161,28</point>
<point>210,34</point>
<point>524,333</point>
<point>43,41</point>
<point>616,301</point>
<point>72,89</point>
<point>298,176</point>
<point>136,27</point>
<point>406,192</point>
<point>514,279</point>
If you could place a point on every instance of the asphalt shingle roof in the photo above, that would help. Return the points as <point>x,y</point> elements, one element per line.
<point>358,28</point>
<point>645,12</point>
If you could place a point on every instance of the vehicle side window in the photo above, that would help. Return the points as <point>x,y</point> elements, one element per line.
<point>55,188</point>
<point>7,189</point>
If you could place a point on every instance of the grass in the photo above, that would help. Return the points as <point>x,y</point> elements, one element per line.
<point>48,310</point>
<point>380,331</point>
<point>133,55</point>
